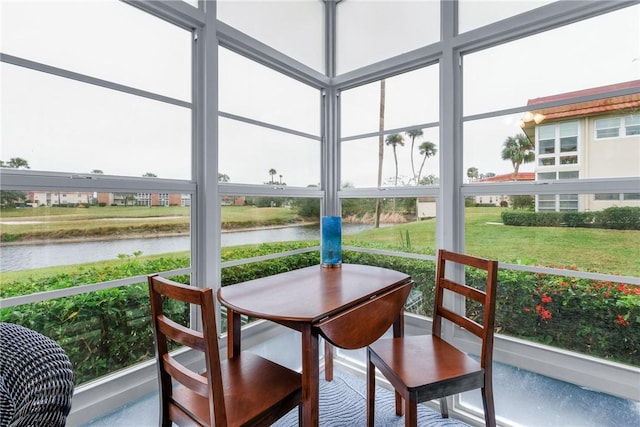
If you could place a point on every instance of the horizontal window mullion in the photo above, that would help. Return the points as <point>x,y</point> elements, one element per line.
<point>390,131</point>
<point>389,192</point>
<point>82,289</point>
<point>28,180</point>
<point>271,189</point>
<point>268,125</point>
<point>606,185</point>
<point>36,66</point>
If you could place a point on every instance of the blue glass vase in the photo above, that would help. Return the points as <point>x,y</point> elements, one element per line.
<point>331,231</point>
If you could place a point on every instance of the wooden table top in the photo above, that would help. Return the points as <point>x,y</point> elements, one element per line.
<point>309,294</point>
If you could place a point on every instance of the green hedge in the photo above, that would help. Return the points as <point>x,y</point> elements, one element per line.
<point>618,218</point>
<point>108,330</point>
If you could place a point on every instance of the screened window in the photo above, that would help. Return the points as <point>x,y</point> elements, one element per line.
<point>365,36</point>
<point>406,151</point>
<point>79,36</point>
<point>268,122</point>
<point>494,81</point>
<point>294,28</point>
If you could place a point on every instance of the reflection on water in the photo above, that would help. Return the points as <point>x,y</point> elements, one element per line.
<point>22,257</point>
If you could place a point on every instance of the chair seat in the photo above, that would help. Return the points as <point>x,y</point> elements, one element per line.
<point>425,364</point>
<point>253,386</point>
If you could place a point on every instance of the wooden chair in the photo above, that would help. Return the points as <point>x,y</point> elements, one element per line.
<point>422,368</point>
<point>247,390</point>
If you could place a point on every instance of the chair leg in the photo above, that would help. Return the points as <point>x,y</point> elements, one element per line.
<point>410,412</point>
<point>371,390</point>
<point>489,409</point>
<point>399,404</point>
<point>300,415</point>
<point>444,407</point>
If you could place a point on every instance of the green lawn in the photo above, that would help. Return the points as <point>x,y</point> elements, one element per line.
<point>595,250</point>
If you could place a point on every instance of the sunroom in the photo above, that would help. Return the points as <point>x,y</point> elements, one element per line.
<point>205,140</point>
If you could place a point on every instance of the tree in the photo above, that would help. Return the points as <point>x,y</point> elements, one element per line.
<point>150,175</point>
<point>16,163</point>
<point>272,172</point>
<point>223,177</point>
<point>472,173</point>
<point>413,134</point>
<point>9,198</point>
<point>394,140</point>
<point>426,149</point>
<point>518,149</point>
<point>97,172</point>
<point>380,151</point>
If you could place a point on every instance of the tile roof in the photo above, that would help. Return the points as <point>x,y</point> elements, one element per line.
<point>581,109</point>
<point>522,176</point>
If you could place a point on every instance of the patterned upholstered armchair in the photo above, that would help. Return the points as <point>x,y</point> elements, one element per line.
<point>36,379</point>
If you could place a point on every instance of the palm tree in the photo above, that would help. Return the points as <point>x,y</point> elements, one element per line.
<point>413,134</point>
<point>272,172</point>
<point>519,150</point>
<point>426,149</point>
<point>380,150</point>
<point>394,140</point>
<point>472,173</point>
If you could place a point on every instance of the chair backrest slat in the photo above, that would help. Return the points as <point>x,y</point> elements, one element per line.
<point>464,290</point>
<point>486,298</point>
<point>462,321</point>
<point>180,334</point>
<point>196,382</point>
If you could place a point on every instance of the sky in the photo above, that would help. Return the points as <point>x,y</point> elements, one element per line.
<point>63,125</point>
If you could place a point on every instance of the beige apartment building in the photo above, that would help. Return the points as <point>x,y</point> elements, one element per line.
<point>590,139</point>
<point>58,198</point>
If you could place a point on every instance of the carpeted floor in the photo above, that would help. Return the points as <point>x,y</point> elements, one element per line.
<point>343,404</point>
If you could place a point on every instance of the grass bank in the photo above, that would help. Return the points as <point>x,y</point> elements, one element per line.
<point>42,224</point>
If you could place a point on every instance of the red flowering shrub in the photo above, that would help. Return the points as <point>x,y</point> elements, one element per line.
<point>598,318</point>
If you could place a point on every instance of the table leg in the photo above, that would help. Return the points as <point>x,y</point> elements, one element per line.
<point>310,377</point>
<point>233,333</point>
<point>398,331</point>
<point>328,361</point>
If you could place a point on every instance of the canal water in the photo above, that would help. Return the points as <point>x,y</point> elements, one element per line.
<point>22,257</point>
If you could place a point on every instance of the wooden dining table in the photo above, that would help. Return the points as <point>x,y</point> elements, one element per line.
<point>351,306</point>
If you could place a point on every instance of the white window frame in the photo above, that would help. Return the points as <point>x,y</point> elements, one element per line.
<point>621,128</point>
<point>557,155</point>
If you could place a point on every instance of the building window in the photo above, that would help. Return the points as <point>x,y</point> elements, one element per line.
<point>568,202</point>
<point>632,125</point>
<point>557,203</point>
<point>568,175</point>
<point>558,144</point>
<point>618,127</point>
<point>607,196</point>
<point>617,196</point>
<point>546,203</point>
